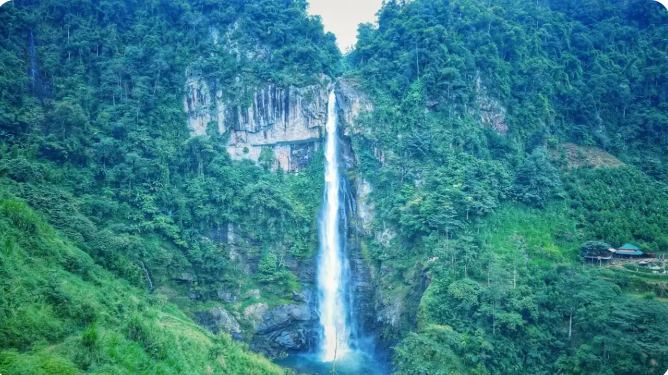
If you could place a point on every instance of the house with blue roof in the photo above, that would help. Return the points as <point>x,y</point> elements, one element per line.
<point>628,251</point>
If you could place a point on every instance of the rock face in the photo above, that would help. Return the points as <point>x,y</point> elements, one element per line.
<point>380,306</point>
<point>351,102</point>
<point>273,331</point>
<point>289,122</point>
<point>490,110</point>
<point>365,208</point>
<point>363,291</point>
<point>218,319</point>
<point>285,328</point>
<point>286,120</point>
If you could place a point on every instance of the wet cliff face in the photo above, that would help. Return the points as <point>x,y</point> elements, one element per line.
<point>352,102</point>
<point>288,121</point>
<point>383,307</point>
<point>251,315</point>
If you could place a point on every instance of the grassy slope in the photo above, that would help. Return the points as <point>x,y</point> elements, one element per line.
<point>60,313</point>
<point>552,235</point>
<point>548,236</point>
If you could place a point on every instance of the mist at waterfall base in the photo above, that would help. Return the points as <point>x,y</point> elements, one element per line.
<point>356,362</point>
<point>341,346</point>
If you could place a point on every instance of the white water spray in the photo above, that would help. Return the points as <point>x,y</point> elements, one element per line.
<point>334,344</point>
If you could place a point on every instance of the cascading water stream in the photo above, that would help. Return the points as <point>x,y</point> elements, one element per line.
<point>332,263</point>
<point>343,347</point>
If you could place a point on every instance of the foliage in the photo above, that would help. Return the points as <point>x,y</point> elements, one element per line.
<point>536,179</point>
<point>619,206</point>
<point>61,314</point>
<point>471,101</point>
<point>93,137</point>
<point>594,248</point>
<point>93,132</point>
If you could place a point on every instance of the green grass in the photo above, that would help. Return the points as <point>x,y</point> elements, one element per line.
<point>63,314</point>
<point>547,236</point>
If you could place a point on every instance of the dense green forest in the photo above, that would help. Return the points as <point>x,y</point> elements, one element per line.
<point>477,105</point>
<point>94,139</point>
<point>506,139</point>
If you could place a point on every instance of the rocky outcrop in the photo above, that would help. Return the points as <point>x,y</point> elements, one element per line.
<point>490,110</point>
<point>255,312</point>
<point>352,102</point>
<point>285,328</point>
<point>286,120</point>
<point>389,307</point>
<point>365,208</point>
<point>218,319</point>
<point>222,294</point>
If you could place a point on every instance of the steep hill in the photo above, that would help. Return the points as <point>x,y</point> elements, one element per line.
<point>503,137</point>
<point>63,314</point>
<point>111,132</point>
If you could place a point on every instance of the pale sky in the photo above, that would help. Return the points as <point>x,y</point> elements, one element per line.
<point>341,17</point>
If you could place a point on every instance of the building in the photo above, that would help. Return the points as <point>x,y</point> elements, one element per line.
<point>598,258</point>
<point>628,251</point>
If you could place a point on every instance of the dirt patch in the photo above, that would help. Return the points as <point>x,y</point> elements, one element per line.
<point>581,156</point>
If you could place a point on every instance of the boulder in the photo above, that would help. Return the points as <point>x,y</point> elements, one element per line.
<point>225,295</point>
<point>217,319</point>
<point>284,328</point>
<point>255,312</point>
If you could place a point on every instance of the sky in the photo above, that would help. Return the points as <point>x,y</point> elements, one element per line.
<point>341,17</point>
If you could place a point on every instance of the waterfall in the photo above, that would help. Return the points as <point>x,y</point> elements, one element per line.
<point>333,270</point>
<point>33,64</point>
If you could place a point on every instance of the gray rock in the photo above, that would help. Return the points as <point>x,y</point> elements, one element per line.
<point>299,296</point>
<point>254,293</point>
<point>284,328</point>
<point>255,312</point>
<point>283,119</point>
<point>294,340</point>
<point>282,316</point>
<point>306,272</point>
<point>193,294</point>
<point>226,296</point>
<point>217,319</point>
<point>351,102</point>
<point>184,276</point>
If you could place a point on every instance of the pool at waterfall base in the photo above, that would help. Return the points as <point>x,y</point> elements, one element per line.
<point>354,363</point>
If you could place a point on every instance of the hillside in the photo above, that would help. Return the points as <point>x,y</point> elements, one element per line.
<point>504,136</point>
<point>100,139</point>
<point>162,173</point>
<point>63,314</point>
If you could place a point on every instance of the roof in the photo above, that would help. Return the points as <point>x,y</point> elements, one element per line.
<point>628,246</point>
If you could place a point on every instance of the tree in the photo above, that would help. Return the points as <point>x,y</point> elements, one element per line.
<point>595,249</point>
<point>537,180</point>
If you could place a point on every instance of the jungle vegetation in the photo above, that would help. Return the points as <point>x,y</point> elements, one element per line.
<point>476,104</point>
<point>101,183</point>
